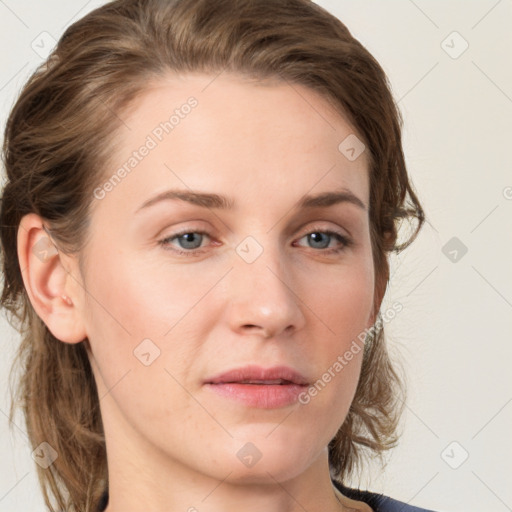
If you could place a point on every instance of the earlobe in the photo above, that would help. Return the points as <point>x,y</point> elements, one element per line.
<point>48,276</point>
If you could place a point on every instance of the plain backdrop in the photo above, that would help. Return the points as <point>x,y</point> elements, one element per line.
<point>450,67</point>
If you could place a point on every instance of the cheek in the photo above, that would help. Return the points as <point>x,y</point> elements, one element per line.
<point>344,305</point>
<point>344,301</point>
<point>140,312</point>
<point>140,300</point>
<point>139,344</point>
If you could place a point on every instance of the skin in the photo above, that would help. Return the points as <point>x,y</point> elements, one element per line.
<point>171,443</point>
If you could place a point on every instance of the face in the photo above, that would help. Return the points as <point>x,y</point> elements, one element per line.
<point>208,254</point>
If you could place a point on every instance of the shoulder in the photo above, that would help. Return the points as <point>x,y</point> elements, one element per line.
<point>378,502</point>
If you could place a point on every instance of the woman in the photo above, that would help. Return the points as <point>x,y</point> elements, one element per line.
<point>200,201</point>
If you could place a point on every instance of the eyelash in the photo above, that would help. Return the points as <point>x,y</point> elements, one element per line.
<point>344,240</point>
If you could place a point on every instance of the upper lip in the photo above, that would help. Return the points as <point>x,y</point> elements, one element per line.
<point>257,373</point>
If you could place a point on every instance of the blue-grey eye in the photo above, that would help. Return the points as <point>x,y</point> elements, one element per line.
<point>187,241</point>
<point>316,239</point>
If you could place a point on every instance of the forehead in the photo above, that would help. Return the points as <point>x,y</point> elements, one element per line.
<point>212,132</point>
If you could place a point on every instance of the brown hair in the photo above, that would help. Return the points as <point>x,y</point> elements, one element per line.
<point>56,144</point>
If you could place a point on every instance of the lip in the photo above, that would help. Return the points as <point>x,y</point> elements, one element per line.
<point>254,372</point>
<point>265,395</point>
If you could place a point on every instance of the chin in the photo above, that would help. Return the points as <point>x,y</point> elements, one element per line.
<point>260,458</point>
<point>277,469</point>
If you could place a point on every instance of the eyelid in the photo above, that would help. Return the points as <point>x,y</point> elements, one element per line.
<point>326,226</point>
<point>318,226</point>
<point>345,242</point>
<point>207,231</point>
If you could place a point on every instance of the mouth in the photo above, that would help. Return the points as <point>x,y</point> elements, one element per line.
<point>252,374</point>
<point>265,388</point>
<point>266,382</point>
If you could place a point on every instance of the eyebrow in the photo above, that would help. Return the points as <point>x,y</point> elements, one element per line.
<point>216,201</point>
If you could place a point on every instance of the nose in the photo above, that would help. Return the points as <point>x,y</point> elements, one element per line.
<point>264,298</point>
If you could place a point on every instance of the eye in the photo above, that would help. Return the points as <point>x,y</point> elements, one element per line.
<point>321,239</point>
<point>189,242</point>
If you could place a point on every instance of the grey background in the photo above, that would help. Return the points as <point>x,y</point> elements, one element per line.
<point>454,333</point>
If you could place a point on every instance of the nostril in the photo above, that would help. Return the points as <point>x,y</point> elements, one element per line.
<point>266,333</point>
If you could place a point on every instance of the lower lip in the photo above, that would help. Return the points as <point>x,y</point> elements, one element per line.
<point>264,396</point>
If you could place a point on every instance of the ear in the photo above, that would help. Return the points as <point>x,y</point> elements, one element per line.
<point>52,281</point>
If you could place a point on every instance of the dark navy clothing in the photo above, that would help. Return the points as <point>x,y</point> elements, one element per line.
<point>378,502</point>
